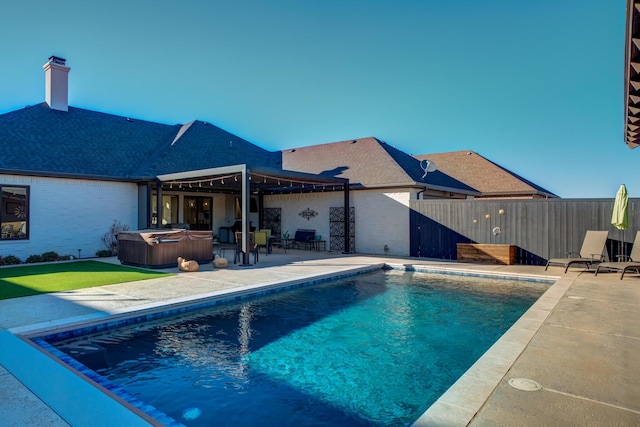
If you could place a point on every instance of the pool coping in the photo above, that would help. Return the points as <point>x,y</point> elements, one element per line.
<point>452,408</point>
<point>181,304</point>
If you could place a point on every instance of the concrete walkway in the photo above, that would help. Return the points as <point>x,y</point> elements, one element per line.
<point>580,342</point>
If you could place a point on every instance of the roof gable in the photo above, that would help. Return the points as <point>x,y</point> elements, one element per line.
<point>484,175</point>
<point>368,162</point>
<point>201,145</point>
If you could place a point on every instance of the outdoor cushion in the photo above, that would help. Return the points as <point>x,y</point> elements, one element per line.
<point>304,235</point>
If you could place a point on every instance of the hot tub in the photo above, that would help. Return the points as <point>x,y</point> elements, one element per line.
<point>155,248</point>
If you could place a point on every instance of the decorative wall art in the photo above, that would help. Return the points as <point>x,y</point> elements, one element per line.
<point>308,213</point>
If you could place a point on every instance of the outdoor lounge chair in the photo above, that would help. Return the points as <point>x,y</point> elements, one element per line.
<point>626,263</point>
<point>590,253</point>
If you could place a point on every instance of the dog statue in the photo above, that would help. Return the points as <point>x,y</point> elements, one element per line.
<point>220,262</point>
<point>185,265</point>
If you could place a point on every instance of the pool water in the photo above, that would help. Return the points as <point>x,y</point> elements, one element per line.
<point>370,350</point>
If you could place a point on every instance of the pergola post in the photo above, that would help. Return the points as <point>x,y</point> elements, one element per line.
<point>347,240</point>
<point>244,203</point>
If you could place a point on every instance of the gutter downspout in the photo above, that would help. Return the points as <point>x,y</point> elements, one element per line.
<point>420,192</point>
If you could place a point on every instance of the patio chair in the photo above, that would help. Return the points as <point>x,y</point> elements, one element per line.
<point>276,242</point>
<point>625,263</point>
<point>262,241</point>
<point>251,247</point>
<point>591,252</point>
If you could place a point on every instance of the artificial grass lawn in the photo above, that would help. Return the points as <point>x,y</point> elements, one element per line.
<point>41,279</point>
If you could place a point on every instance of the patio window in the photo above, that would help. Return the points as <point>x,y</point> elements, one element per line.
<point>169,210</point>
<point>14,214</point>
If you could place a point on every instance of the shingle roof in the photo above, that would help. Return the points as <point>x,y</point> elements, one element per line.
<point>201,145</point>
<point>368,162</point>
<point>87,143</point>
<point>84,143</point>
<point>80,142</point>
<point>484,175</point>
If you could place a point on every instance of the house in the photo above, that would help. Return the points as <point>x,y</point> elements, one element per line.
<point>491,180</point>
<point>67,174</point>
<point>384,180</point>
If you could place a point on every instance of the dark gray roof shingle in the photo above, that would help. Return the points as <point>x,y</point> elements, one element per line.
<point>78,142</point>
<point>87,143</point>
<point>202,145</point>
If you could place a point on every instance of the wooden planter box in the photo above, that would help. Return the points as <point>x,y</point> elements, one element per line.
<point>487,253</point>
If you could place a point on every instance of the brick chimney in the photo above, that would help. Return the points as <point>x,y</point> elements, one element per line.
<point>57,83</point>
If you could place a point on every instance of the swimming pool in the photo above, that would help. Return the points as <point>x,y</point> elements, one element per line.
<point>375,349</point>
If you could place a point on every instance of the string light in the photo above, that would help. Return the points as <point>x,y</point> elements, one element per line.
<point>303,185</point>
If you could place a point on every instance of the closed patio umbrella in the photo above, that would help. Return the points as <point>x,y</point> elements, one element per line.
<point>620,217</point>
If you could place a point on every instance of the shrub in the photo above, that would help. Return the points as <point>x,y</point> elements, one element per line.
<point>110,238</point>
<point>50,256</point>
<point>103,253</point>
<point>33,259</point>
<point>10,260</point>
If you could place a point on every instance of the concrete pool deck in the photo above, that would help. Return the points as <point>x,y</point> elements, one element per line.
<point>580,342</point>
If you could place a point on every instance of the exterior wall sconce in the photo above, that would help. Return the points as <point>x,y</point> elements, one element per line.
<point>487,216</point>
<point>501,212</point>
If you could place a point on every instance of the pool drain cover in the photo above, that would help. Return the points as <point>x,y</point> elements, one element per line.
<point>524,384</point>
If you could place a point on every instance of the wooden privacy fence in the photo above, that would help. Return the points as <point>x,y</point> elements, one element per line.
<point>539,228</point>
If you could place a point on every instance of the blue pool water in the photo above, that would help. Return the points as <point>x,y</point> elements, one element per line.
<point>370,350</point>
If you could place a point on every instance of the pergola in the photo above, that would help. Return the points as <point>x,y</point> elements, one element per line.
<point>245,180</point>
<point>632,75</point>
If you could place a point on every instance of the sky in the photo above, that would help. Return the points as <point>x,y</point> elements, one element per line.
<point>536,87</point>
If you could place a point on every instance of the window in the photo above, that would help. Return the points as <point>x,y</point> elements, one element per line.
<point>14,214</point>
<point>169,210</point>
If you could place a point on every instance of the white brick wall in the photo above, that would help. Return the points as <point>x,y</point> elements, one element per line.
<point>69,214</point>
<point>381,218</point>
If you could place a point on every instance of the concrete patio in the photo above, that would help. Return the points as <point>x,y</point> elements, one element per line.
<point>580,343</point>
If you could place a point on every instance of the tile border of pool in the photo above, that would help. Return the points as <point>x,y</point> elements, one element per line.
<point>452,408</point>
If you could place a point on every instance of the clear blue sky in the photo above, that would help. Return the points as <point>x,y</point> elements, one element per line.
<point>535,86</point>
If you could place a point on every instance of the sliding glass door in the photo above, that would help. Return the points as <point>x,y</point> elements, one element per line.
<point>197,212</point>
